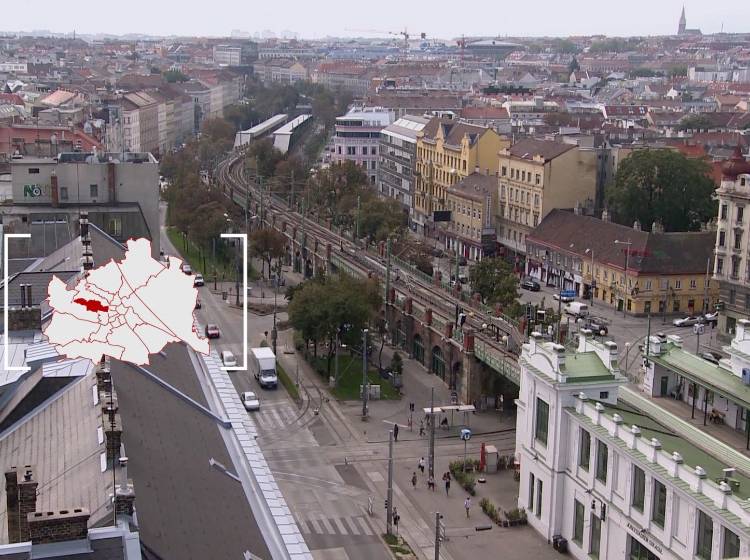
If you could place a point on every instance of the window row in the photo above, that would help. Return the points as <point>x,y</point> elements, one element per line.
<point>658,508</point>
<point>521,175</point>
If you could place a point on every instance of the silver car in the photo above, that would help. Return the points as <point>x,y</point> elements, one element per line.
<point>250,400</point>
<point>686,321</point>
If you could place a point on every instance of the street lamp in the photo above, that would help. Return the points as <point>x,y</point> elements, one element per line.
<point>627,256</point>
<point>591,286</point>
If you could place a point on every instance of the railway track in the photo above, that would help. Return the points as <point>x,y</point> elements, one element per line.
<point>231,174</point>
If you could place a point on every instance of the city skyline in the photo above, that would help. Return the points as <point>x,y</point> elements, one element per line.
<point>305,20</point>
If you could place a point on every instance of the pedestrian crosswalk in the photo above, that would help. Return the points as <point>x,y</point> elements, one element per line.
<point>276,416</point>
<point>317,524</point>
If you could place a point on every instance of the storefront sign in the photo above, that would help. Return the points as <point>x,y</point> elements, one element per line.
<point>645,536</point>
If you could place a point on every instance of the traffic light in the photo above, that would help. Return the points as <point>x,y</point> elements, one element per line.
<point>386,503</point>
<point>411,407</point>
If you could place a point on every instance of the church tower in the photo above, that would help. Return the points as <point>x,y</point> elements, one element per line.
<point>682,24</point>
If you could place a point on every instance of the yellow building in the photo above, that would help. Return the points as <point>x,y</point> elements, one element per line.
<point>471,202</point>
<point>447,152</point>
<point>637,271</point>
<point>537,176</point>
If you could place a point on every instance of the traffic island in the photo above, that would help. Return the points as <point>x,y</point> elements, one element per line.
<point>399,547</point>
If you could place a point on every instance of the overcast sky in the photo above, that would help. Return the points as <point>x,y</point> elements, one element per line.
<point>437,18</point>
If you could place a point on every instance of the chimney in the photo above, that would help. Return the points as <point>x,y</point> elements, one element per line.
<point>11,505</point>
<point>125,499</point>
<point>55,191</point>
<point>637,225</point>
<point>52,527</point>
<point>113,436</point>
<point>20,495</point>
<point>605,215</point>
<point>29,299</point>
<point>23,295</point>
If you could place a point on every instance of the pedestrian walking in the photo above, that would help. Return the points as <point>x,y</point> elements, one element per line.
<point>396,519</point>
<point>431,483</point>
<point>409,423</point>
<point>420,465</point>
<point>395,432</point>
<point>447,480</point>
<point>414,480</point>
<point>421,428</point>
<point>467,505</point>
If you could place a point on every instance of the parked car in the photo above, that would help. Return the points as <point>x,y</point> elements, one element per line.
<point>198,281</point>
<point>187,269</point>
<point>198,303</point>
<point>563,298</point>
<point>711,318</point>
<point>597,327</point>
<point>250,400</point>
<point>530,284</point>
<point>212,331</point>
<point>688,321</point>
<point>228,359</point>
<point>710,357</point>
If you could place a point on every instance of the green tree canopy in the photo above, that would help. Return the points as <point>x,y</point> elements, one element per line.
<point>267,244</point>
<point>324,305</point>
<point>381,218</point>
<point>663,186</point>
<point>173,76</point>
<point>494,280</point>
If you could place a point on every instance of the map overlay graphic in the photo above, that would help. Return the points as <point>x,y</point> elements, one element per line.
<point>127,309</point>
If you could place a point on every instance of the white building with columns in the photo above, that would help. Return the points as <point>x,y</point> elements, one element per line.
<point>615,482</point>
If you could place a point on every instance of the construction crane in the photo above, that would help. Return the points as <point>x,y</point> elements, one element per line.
<point>462,43</point>
<point>404,34</point>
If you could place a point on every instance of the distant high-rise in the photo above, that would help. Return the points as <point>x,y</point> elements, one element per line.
<point>683,23</point>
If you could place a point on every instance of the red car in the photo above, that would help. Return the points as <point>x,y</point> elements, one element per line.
<point>212,331</point>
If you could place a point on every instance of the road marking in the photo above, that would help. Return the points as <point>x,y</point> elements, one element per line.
<point>365,525</point>
<point>353,527</point>
<point>340,525</point>
<point>315,527</point>
<point>375,476</point>
<point>329,528</point>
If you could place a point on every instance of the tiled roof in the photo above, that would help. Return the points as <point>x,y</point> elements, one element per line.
<point>453,131</point>
<point>476,186</point>
<point>484,113</point>
<point>528,148</point>
<point>650,253</point>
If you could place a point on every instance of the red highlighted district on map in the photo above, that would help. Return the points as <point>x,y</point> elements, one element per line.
<point>91,304</point>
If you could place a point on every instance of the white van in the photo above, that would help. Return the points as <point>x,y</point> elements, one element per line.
<point>577,309</point>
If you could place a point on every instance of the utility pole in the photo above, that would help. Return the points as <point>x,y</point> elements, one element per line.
<point>274,332</point>
<point>260,188</point>
<point>365,390</point>
<point>291,199</point>
<point>705,286</point>
<point>457,264</point>
<point>431,441</point>
<point>438,538</point>
<point>626,292</point>
<point>336,358</point>
<point>237,276</point>
<point>387,271</point>
<point>359,207</point>
<point>389,509</point>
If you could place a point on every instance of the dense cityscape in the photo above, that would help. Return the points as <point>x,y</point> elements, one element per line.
<point>381,295</point>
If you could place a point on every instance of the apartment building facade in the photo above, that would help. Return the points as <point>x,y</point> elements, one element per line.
<point>357,137</point>
<point>537,176</point>
<point>398,160</point>
<point>447,152</point>
<point>732,264</point>
<point>470,231</point>
<point>607,481</point>
<point>639,272</point>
